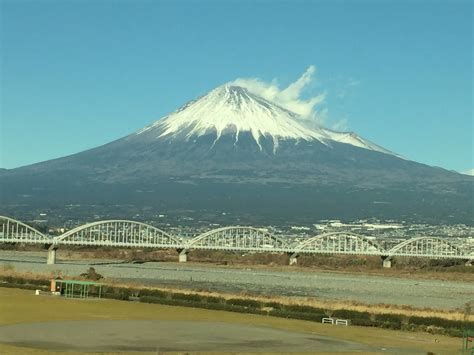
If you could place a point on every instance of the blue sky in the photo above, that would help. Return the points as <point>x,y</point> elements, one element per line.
<point>78,74</point>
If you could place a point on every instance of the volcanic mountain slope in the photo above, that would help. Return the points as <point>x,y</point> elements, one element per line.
<point>230,147</point>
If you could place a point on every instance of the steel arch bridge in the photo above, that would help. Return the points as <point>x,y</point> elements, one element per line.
<point>13,231</point>
<point>428,247</point>
<point>237,238</point>
<point>126,233</point>
<point>339,243</point>
<point>118,233</point>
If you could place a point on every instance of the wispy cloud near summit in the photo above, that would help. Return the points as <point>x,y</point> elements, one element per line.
<point>291,96</point>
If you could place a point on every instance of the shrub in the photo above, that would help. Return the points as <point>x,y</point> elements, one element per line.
<point>244,303</point>
<point>432,324</point>
<point>186,297</point>
<point>303,309</point>
<point>111,295</point>
<point>365,322</point>
<point>211,299</point>
<point>152,293</point>
<point>25,286</point>
<point>39,282</point>
<point>389,325</point>
<point>188,303</point>
<point>350,314</point>
<point>273,305</point>
<point>117,293</point>
<point>149,299</point>
<point>391,321</point>
<point>439,322</point>
<point>91,274</point>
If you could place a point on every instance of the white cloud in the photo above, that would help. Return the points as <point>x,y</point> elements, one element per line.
<point>290,97</point>
<point>469,172</point>
<point>340,125</point>
<point>347,88</point>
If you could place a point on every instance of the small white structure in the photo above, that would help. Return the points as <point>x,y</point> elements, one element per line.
<point>342,322</point>
<point>336,321</point>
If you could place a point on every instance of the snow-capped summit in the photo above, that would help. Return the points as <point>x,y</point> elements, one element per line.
<point>231,109</point>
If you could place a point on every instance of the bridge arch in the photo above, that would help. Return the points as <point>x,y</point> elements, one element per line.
<point>339,243</point>
<point>238,238</point>
<point>120,233</point>
<point>14,231</point>
<point>431,247</point>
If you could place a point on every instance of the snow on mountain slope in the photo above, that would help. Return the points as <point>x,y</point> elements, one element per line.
<point>353,139</point>
<point>231,109</point>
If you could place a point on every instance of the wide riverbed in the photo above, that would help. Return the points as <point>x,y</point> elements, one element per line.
<point>324,285</point>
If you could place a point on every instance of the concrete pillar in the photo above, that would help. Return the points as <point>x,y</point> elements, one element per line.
<point>386,262</point>
<point>51,255</point>
<point>293,258</point>
<point>183,255</point>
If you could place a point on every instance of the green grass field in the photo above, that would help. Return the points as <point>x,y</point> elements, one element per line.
<point>22,306</point>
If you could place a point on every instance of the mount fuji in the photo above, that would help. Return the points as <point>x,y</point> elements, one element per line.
<point>234,152</point>
<point>233,110</point>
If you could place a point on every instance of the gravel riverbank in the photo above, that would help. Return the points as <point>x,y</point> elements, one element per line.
<point>369,289</point>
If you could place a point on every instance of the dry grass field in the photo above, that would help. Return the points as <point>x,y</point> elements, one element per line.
<point>22,306</point>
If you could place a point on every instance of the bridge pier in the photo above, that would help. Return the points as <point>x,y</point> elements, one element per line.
<point>182,255</point>
<point>386,262</point>
<point>51,260</point>
<point>293,258</point>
